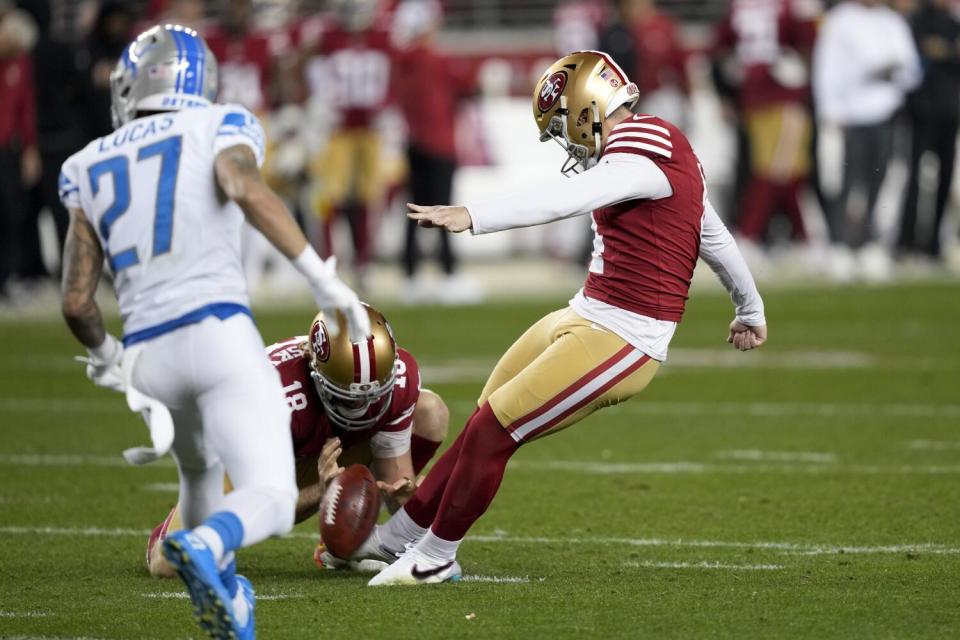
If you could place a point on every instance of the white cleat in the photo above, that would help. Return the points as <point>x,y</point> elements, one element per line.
<point>371,557</point>
<point>415,568</point>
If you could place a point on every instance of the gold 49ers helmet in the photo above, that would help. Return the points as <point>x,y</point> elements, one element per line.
<point>573,96</point>
<point>353,379</point>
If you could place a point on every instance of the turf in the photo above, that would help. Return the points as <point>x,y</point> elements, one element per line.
<point>809,490</point>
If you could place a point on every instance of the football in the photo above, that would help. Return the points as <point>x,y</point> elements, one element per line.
<point>349,510</point>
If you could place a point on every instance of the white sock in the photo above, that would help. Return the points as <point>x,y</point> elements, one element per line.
<point>212,539</point>
<point>226,560</point>
<point>438,549</point>
<point>399,531</point>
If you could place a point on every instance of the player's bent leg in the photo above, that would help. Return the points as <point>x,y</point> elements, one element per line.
<point>431,423</point>
<point>525,350</point>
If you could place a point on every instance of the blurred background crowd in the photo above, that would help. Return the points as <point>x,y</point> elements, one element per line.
<point>827,132</point>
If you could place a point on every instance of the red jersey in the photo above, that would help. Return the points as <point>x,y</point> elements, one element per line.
<point>18,119</point>
<point>661,59</point>
<point>353,69</point>
<point>646,250</point>
<point>427,88</point>
<point>245,65</point>
<point>758,31</point>
<point>309,424</point>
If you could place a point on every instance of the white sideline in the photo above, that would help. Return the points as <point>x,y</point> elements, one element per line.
<point>789,548</point>
<point>649,564</point>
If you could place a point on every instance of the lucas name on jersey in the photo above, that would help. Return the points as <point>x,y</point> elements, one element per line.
<point>139,130</point>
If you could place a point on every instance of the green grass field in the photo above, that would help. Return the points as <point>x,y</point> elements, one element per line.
<point>807,490</point>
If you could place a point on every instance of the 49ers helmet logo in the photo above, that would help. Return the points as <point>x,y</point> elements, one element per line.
<point>551,90</point>
<point>319,341</point>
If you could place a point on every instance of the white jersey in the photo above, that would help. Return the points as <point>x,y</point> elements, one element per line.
<point>171,240</point>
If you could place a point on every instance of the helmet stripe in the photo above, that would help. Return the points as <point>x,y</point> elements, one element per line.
<point>356,362</point>
<point>372,354</point>
<point>176,41</point>
<point>610,63</point>
<point>190,56</point>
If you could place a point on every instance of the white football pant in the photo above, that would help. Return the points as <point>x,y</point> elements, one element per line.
<point>229,414</point>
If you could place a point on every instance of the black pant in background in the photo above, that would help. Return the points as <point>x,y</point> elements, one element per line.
<point>867,150</point>
<point>12,212</point>
<point>431,182</point>
<point>938,136</point>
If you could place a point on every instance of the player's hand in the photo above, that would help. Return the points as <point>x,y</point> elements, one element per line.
<point>327,466</point>
<point>332,295</point>
<point>453,219</point>
<point>744,337</point>
<point>400,491</point>
<point>104,366</point>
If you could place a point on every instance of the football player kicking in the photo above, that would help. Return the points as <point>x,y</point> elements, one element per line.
<point>385,420</point>
<point>163,199</point>
<point>651,219</point>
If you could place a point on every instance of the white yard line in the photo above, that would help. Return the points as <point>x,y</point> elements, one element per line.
<point>791,548</point>
<point>499,579</point>
<point>777,456</point>
<point>789,410</point>
<point>183,595</point>
<point>71,460</point>
<point>650,564</point>
<point>590,467</point>
<point>162,487</point>
<point>24,614</point>
<point>63,405</point>
<point>934,445</point>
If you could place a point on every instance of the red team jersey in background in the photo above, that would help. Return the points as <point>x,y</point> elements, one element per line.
<point>661,59</point>
<point>649,248</point>
<point>357,71</point>
<point>757,30</point>
<point>427,89</point>
<point>245,65</point>
<point>309,424</point>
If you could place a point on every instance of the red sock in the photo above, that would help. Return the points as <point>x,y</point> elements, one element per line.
<point>423,505</point>
<point>476,477</point>
<point>791,206</point>
<point>421,451</point>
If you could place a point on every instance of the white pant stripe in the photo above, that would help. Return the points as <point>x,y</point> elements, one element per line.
<point>586,391</point>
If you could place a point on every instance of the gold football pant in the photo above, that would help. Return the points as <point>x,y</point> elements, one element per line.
<point>560,371</point>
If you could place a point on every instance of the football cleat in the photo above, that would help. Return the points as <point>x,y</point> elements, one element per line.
<point>371,557</point>
<point>212,605</point>
<point>243,604</point>
<point>414,568</point>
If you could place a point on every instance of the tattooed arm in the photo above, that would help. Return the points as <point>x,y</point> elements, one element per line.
<point>239,177</point>
<point>82,265</point>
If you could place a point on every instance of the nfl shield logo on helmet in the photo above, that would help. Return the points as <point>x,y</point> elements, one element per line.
<point>551,90</point>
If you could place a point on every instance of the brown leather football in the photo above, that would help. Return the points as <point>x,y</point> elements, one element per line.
<point>349,510</point>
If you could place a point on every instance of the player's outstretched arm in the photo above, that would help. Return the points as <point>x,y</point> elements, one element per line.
<point>719,250</point>
<point>239,177</point>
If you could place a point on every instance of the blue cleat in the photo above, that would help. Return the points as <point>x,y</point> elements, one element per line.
<point>245,591</point>
<point>212,605</point>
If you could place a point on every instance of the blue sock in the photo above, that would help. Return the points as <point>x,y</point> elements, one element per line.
<point>228,526</point>
<point>229,578</point>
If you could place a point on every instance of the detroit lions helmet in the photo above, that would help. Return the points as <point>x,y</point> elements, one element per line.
<point>166,68</point>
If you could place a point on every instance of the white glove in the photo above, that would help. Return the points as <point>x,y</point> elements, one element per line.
<point>332,295</point>
<point>104,364</point>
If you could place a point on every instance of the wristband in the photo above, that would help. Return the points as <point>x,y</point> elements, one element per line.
<point>107,350</point>
<point>310,265</point>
